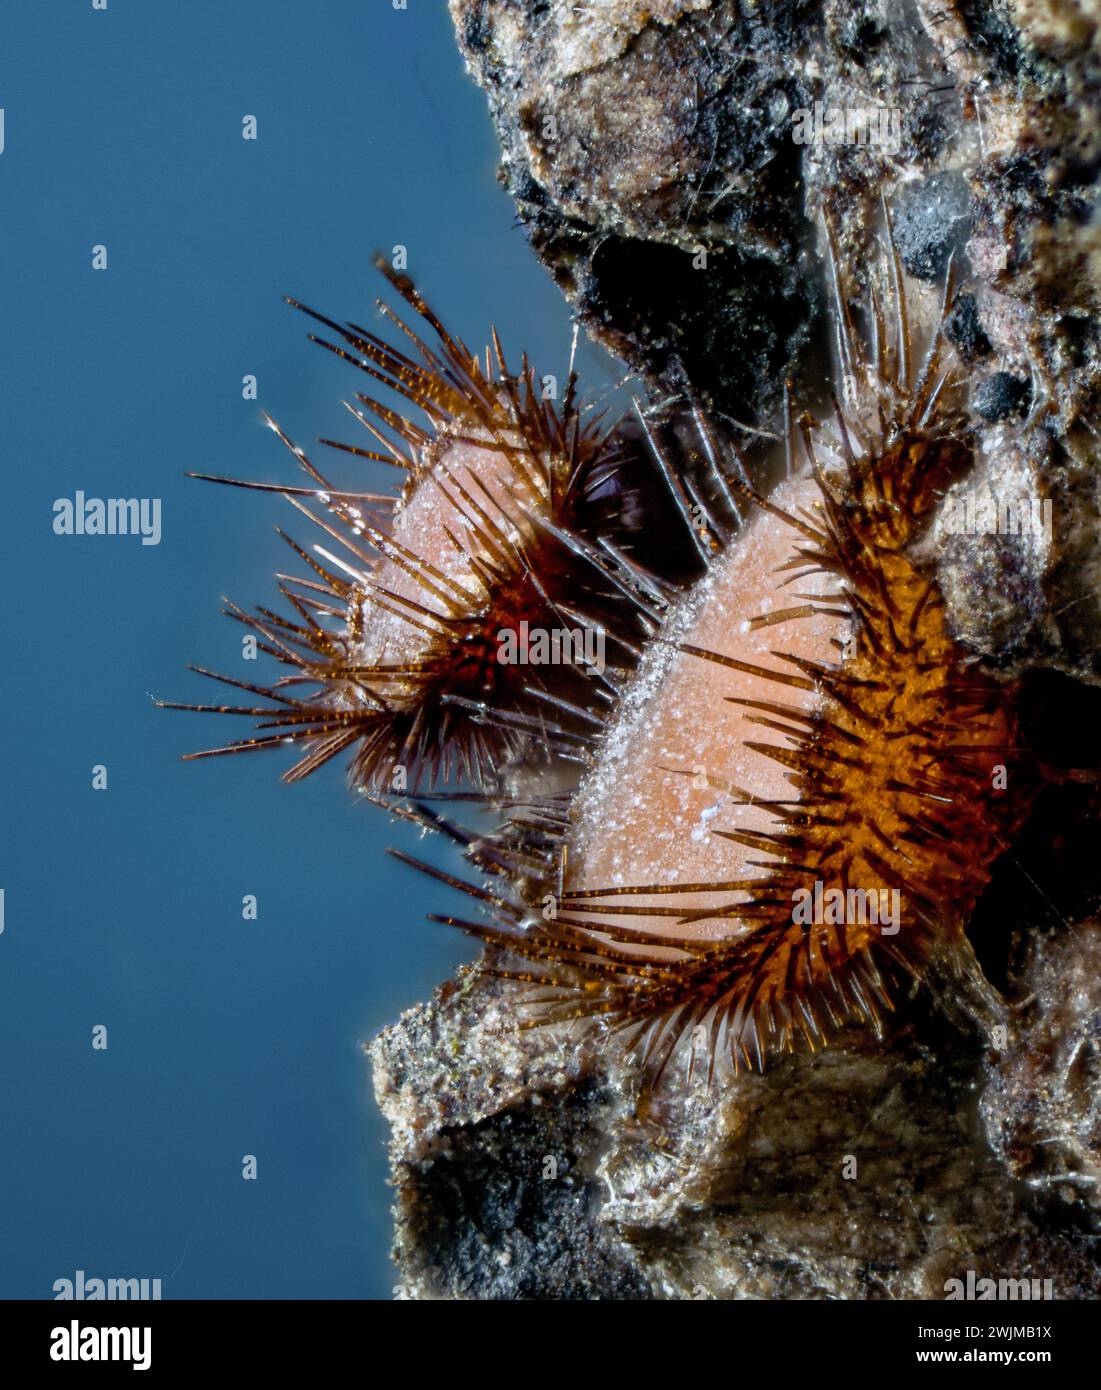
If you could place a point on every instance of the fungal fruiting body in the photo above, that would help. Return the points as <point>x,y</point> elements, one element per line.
<point>413,632</point>
<point>802,793</point>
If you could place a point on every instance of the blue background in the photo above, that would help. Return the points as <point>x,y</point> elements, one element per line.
<point>123,907</point>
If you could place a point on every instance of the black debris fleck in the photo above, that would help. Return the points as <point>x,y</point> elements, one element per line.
<point>963,328</point>
<point>1001,394</point>
<point>932,220</point>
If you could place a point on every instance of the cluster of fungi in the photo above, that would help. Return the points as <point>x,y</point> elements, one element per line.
<point>780,712</point>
